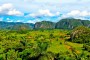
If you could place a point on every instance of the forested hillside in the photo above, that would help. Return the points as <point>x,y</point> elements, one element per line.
<point>10,25</point>
<point>71,23</point>
<point>44,25</point>
<point>68,23</point>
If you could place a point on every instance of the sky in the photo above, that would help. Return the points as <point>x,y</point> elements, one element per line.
<point>31,11</point>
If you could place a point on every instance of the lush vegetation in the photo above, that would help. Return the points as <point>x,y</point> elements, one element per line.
<point>55,44</point>
<point>81,34</point>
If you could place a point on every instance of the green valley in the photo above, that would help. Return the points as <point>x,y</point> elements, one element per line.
<point>54,44</point>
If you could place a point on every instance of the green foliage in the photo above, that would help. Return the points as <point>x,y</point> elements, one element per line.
<point>87,47</point>
<point>40,45</point>
<point>81,35</point>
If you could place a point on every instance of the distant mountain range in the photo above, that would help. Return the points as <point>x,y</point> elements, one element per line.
<point>68,23</point>
<point>44,25</point>
<point>71,23</point>
<point>15,25</point>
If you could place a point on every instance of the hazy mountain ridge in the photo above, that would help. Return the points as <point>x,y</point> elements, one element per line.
<point>72,23</point>
<point>44,25</point>
<point>11,25</point>
<point>62,24</point>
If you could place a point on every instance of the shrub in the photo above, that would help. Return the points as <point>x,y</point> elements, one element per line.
<point>80,34</point>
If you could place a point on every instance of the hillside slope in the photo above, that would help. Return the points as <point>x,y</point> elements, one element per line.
<point>44,25</point>
<point>68,23</point>
<point>71,23</point>
<point>11,25</point>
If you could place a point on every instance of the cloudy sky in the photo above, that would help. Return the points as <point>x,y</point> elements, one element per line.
<point>31,11</point>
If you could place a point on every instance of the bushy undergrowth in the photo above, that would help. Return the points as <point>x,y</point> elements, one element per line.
<point>40,45</point>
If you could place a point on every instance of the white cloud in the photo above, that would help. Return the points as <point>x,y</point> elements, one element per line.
<point>45,12</point>
<point>33,21</point>
<point>73,13</point>
<point>5,8</point>
<point>57,13</point>
<point>42,12</point>
<point>18,21</point>
<point>32,15</point>
<point>30,21</point>
<point>26,0</point>
<point>15,12</point>
<point>9,20</point>
<point>8,9</point>
<point>1,19</point>
<point>85,13</point>
<point>77,14</point>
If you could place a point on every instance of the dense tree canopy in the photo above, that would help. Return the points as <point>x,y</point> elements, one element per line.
<point>43,45</point>
<point>81,34</point>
